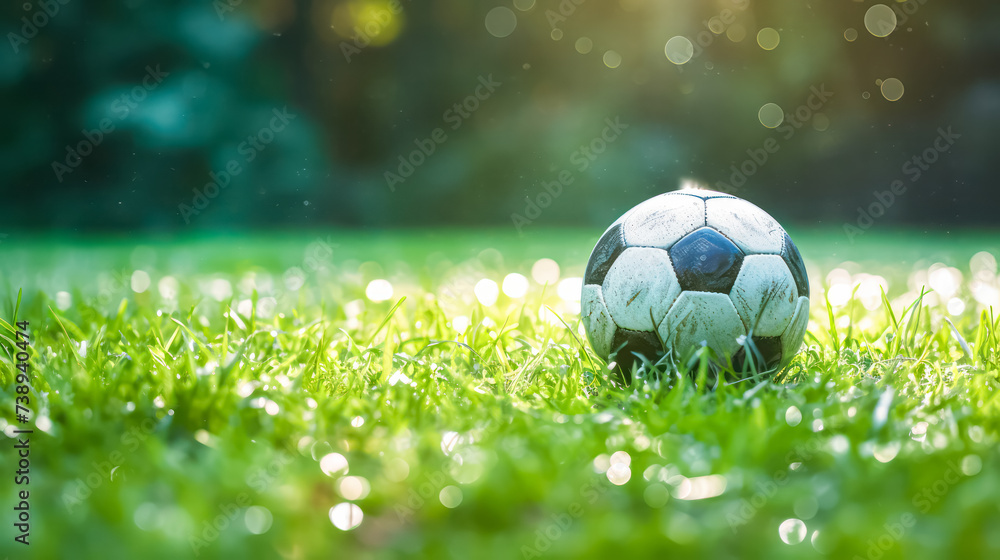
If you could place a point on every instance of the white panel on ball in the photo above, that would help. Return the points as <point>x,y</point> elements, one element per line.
<point>749,227</point>
<point>764,295</point>
<point>640,287</point>
<point>791,340</point>
<point>662,220</point>
<point>596,320</point>
<point>698,317</point>
<point>704,193</point>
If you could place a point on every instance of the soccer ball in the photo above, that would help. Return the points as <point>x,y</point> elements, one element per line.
<point>694,268</point>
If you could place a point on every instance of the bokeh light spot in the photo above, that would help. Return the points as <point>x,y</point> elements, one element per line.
<point>956,307</point>
<point>461,324</point>
<point>892,89</point>
<point>169,287</point>
<point>545,271</point>
<point>679,50</point>
<point>44,423</point>
<point>258,519</point>
<point>620,458</point>
<point>379,290</point>
<point>353,487</point>
<point>557,34</point>
<point>971,465</point>
<point>346,516</point>
<point>983,261</point>
<point>487,292</point>
<point>619,474</point>
<point>378,21</point>
<point>515,285</point>
<point>583,45</point>
<point>140,281</point>
<point>851,34</point>
<point>792,531</point>
<point>524,5</point>
<point>700,487</point>
<point>822,542</point>
<point>736,33</point>
<point>886,452</point>
<point>656,495</point>
<point>768,38</point>
<point>333,463</point>
<point>880,20</point>
<point>806,507</point>
<point>450,496</point>
<point>612,59</point>
<point>821,122</point>
<point>793,416</point>
<point>397,470</point>
<point>147,516</point>
<point>501,21</point>
<point>569,289</point>
<point>716,25</point>
<point>771,115</point>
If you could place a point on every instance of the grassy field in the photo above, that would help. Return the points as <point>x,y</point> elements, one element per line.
<point>277,397</point>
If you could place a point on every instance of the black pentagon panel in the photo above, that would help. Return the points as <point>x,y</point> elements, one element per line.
<point>611,244</point>
<point>628,343</point>
<point>705,261</point>
<point>766,354</point>
<point>793,259</point>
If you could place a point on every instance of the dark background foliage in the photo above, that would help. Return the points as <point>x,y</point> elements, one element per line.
<point>231,65</point>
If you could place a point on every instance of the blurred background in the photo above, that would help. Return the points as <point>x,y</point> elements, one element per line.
<point>175,117</point>
<point>190,182</point>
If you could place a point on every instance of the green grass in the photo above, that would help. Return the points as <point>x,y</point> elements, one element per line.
<point>213,400</point>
